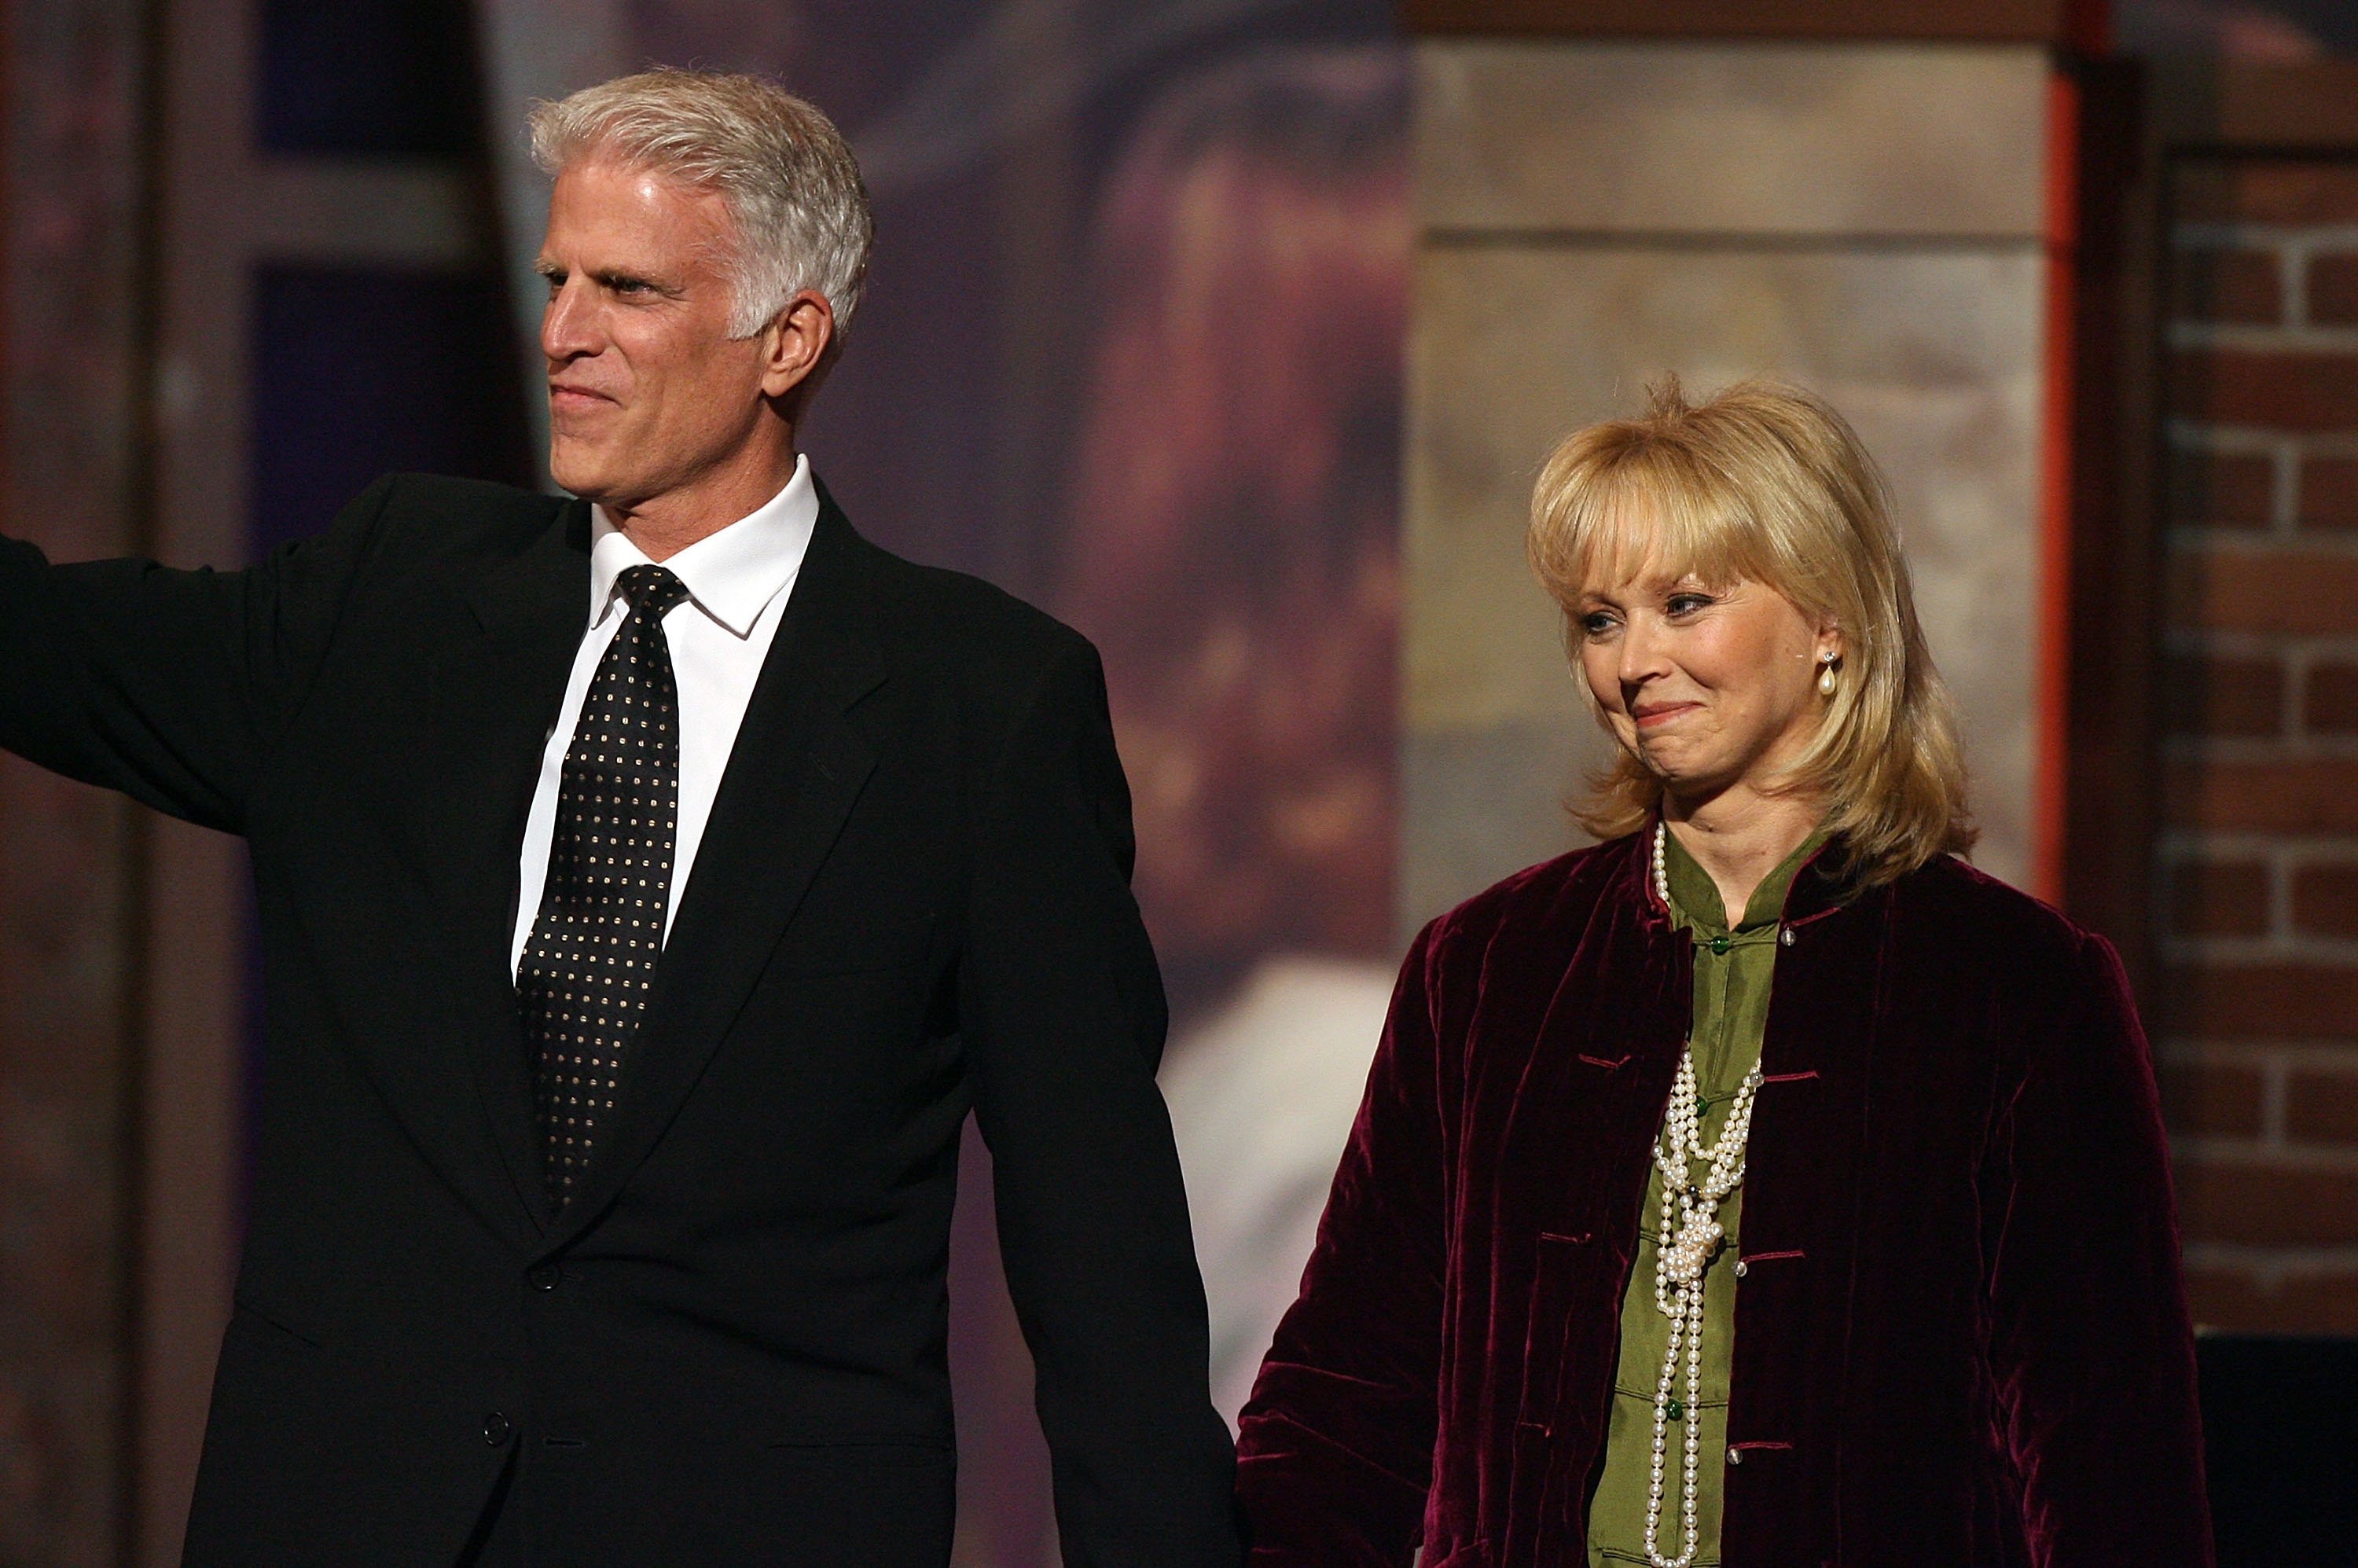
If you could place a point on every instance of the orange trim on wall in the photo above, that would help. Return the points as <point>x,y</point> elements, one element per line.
<point>2051,774</point>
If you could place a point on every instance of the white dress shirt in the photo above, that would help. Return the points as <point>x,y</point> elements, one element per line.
<point>738,582</point>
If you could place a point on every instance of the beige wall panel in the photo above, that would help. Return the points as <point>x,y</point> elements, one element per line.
<point>1933,354</point>
<point>1754,138</point>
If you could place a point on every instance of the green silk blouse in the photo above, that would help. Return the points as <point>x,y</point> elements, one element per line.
<point>1732,974</point>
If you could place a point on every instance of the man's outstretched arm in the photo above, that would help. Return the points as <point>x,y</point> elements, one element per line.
<point>169,686</point>
<point>1062,1007</point>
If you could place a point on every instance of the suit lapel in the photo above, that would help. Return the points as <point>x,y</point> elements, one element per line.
<point>495,697</point>
<point>797,769</point>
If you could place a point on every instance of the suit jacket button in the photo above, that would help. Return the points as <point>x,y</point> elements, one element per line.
<point>1736,1456</point>
<point>496,1430</point>
<point>545,1276</point>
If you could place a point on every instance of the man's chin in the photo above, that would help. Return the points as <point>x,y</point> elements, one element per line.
<point>580,473</point>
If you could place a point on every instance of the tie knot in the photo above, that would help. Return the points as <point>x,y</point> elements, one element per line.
<point>652,590</point>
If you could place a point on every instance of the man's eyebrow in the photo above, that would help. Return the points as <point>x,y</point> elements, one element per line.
<point>608,277</point>
<point>617,277</point>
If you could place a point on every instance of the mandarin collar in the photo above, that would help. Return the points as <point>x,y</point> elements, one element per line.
<point>731,575</point>
<point>1818,889</point>
<point>1689,882</point>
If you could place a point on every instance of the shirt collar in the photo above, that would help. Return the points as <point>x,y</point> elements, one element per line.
<point>1695,897</point>
<point>731,575</point>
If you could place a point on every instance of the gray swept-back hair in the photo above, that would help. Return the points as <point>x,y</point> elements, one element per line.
<point>788,178</point>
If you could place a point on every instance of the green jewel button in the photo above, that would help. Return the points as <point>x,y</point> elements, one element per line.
<point>1674,1410</point>
<point>1719,944</point>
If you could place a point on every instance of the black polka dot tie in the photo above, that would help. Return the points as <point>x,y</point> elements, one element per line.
<point>591,962</point>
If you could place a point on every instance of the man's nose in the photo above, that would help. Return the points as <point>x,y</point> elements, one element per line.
<point>565,324</point>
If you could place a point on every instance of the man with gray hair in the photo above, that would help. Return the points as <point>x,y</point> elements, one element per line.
<point>649,884</point>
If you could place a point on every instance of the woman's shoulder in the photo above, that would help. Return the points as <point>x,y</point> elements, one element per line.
<point>1557,894</point>
<point>1966,910</point>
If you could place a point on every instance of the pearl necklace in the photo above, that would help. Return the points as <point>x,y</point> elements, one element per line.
<point>1689,1214</point>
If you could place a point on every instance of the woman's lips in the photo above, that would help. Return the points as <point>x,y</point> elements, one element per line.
<point>1647,718</point>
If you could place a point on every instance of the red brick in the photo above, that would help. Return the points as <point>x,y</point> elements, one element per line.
<point>2205,1100</point>
<point>2305,1303</point>
<point>2295,795</point>
<point>2225,696</point>
<point>2285,593</point>
<point>2281,389</point>
<point>2333,291</point>
<point>2325,901</point>
<point>2222,490</point>
<point>2267,1205</point>
<point>2273,191</point>
<point>2328,493</point>
<point>2321,1107</point>
<point>2330,706</point>
<point>2227,285</point>
<point>2219,899</point>
<point>2261,1001</point>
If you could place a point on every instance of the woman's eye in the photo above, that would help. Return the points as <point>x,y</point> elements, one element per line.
<point>1596,623</point>
<point>1687,603</point>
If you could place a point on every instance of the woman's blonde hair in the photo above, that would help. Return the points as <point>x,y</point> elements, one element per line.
<point>1766,484</point>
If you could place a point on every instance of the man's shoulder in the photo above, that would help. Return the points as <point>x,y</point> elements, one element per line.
<point>934,615</point>
<point>429,526</point>
<point>454,506</point>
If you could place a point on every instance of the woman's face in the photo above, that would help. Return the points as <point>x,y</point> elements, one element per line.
<point>1711,687</point>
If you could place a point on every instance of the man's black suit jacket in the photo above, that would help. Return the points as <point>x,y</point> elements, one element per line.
<point>911,900</point>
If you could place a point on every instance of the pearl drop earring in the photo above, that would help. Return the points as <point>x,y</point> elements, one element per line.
<point>1825,675</point>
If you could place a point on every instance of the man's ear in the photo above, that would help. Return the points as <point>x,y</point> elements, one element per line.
<point>797,344</point>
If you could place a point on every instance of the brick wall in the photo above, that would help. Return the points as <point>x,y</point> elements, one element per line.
<point>2256,1016</point>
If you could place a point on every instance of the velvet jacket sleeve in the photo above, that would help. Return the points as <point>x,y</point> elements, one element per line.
<point>169,686</point>
<point>1062,1007</point>
<point>2087,1345</point>
<point>1336,1450</point>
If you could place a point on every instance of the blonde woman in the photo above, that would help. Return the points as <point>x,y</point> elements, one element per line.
<point>1763,1185</point>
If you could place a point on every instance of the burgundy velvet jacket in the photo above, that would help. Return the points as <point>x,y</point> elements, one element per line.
<point>1962,1335</point>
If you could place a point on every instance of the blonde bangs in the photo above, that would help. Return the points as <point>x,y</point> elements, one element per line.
<point>1622,510</point>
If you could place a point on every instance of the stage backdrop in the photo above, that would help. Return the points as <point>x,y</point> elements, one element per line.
<point>1134,348</point>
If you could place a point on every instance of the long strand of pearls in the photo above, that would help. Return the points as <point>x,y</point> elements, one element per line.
<point>1691,1232</point>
